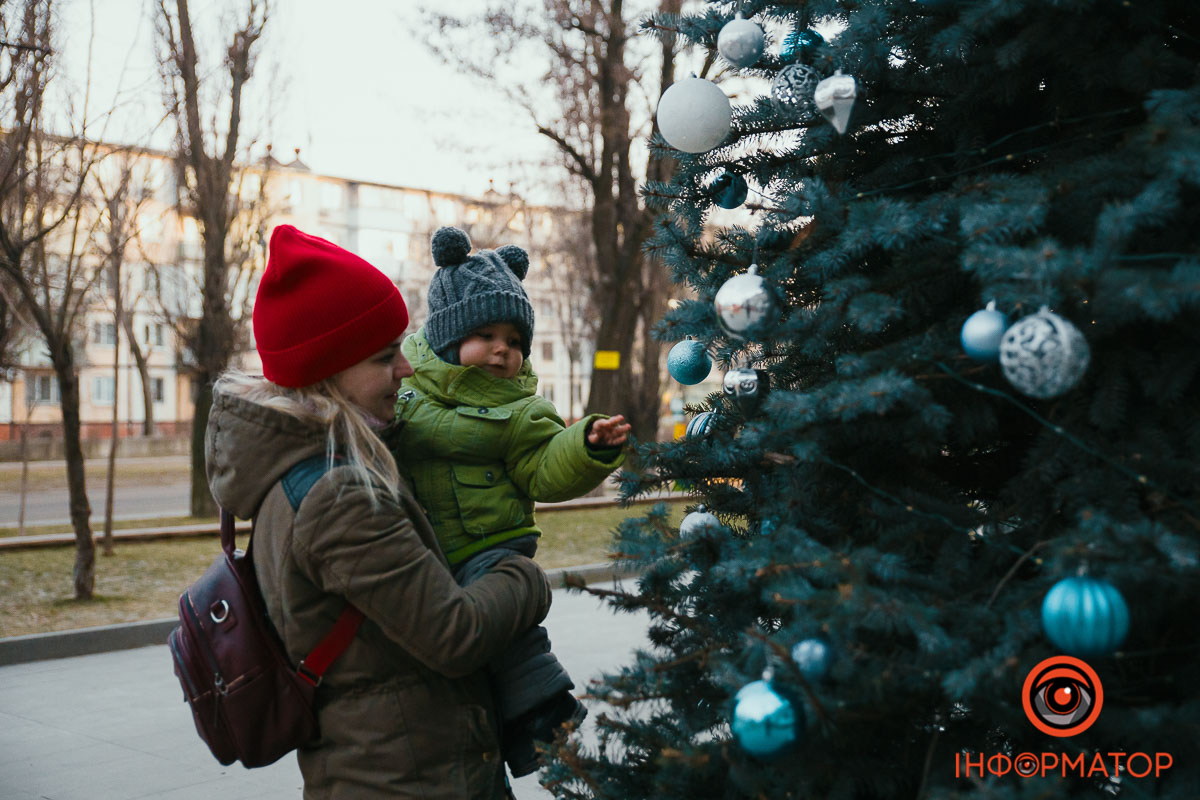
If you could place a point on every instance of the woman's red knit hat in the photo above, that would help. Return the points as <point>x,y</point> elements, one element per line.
<point>321,309</point>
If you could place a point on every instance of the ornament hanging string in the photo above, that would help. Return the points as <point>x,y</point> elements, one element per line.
<point>1061,431</point>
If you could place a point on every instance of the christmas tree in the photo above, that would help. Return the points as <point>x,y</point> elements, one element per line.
<point>975,469</point>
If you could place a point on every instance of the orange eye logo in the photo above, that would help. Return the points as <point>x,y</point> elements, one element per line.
<point>1062,696</point>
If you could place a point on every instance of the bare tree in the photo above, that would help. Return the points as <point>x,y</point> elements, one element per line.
<point>120,205</point>
<point>44,233</point>
<point>207,154</point>
<point>595,79</point>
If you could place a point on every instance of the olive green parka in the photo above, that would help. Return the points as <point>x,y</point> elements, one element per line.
<point>406,711</point>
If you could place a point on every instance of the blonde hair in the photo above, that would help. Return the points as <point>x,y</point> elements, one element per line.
<point>347,433</point>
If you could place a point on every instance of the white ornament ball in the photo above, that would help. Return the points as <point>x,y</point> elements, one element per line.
<point>694,115</point>
<point>1043,355</point>
<point>741,42</point>
<point>699,523</point>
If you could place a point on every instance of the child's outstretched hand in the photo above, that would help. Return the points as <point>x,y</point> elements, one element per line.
<point>611,432</point>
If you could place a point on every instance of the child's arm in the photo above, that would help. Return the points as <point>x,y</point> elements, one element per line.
<point>549,462</point>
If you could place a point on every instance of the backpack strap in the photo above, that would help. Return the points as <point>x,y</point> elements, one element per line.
<point>297,481</point>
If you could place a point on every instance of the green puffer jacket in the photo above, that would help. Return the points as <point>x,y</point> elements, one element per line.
<point>479,450</point>
<point>407,710</point>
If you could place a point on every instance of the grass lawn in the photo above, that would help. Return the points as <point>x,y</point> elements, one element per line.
<point>118,525</point>
<point>143,580</point>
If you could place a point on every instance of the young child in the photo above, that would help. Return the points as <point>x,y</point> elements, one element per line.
<point>479,447</point>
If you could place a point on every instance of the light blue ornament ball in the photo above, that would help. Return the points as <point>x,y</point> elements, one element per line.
<point>741,42</point>
<point>982,332</point>
<point>688,362</point>
<point>1085,616</point>
<point>700,425</point>
<point>766,723</point>
<point>813,657</point>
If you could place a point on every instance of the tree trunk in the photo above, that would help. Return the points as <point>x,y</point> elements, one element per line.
<point>143,367</point>
<point>202,501</point>
<point>81,510</point>
<point>110,483</point>
<point>24,476</point>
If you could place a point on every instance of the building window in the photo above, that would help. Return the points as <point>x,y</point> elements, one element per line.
<point>154,334</point>
<point>41,389</point>
<point>104,333</point>
<point>158,389</point>
<point>545,309</point>
<point>547,351</point>
<point>332,197</point>
<point>102,391</point>
<point>549,393</point>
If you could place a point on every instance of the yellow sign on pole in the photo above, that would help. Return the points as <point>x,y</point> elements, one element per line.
<point>607,359</point>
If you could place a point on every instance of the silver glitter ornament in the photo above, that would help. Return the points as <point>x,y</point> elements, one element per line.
<point>793,87</point>
<point>741,42</point>
<point>1043,355</point>
<point>834,97</point>
<point>744,304</point>
<point>746,387</point>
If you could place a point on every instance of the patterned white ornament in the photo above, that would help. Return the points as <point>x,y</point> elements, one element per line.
<point>1043,355</point>
<point>792,89</point>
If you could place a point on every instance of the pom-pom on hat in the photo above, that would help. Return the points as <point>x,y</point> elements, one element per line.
<point>469,292</point>
<point>321,309</point>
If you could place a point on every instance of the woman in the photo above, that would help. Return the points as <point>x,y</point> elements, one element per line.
<point>406,710</point>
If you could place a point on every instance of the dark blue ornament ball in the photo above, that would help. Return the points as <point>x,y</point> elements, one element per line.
<point>1085,616</point>
<point>800,44</point>
<point>729,190</point>
<point>766,723</point>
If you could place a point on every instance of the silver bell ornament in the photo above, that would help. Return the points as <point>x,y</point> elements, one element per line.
<point>1043,355</point>
<point>834,98</point>
<point>688,362</point>
<point>741,42</point>
<point>699,524</point>
<point>792,89</point>
<point>694,115</point>
<point>982,332</point>
<point>699,425</point>
<point>744,305</point>
<point>746,387</point>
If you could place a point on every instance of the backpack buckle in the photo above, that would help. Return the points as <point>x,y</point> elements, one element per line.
<point>310,677</point>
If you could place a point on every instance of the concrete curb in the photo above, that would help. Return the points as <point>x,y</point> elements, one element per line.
<point>103,638</point>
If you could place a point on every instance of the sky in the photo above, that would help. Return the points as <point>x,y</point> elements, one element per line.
<point>351,85</point>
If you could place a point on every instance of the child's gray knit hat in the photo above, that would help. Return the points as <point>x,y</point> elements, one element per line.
<point>469,292</point>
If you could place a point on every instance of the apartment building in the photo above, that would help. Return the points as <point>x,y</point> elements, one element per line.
<point>388,225</point>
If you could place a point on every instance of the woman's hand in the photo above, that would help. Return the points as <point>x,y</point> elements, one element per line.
<point>611,432</point>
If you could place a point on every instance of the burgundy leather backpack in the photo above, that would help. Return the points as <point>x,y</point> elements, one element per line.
<point>249,702</point>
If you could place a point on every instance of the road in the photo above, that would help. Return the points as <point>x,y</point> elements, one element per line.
<point>49,507</point>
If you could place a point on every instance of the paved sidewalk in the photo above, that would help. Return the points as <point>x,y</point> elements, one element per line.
<point>113,726</point>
